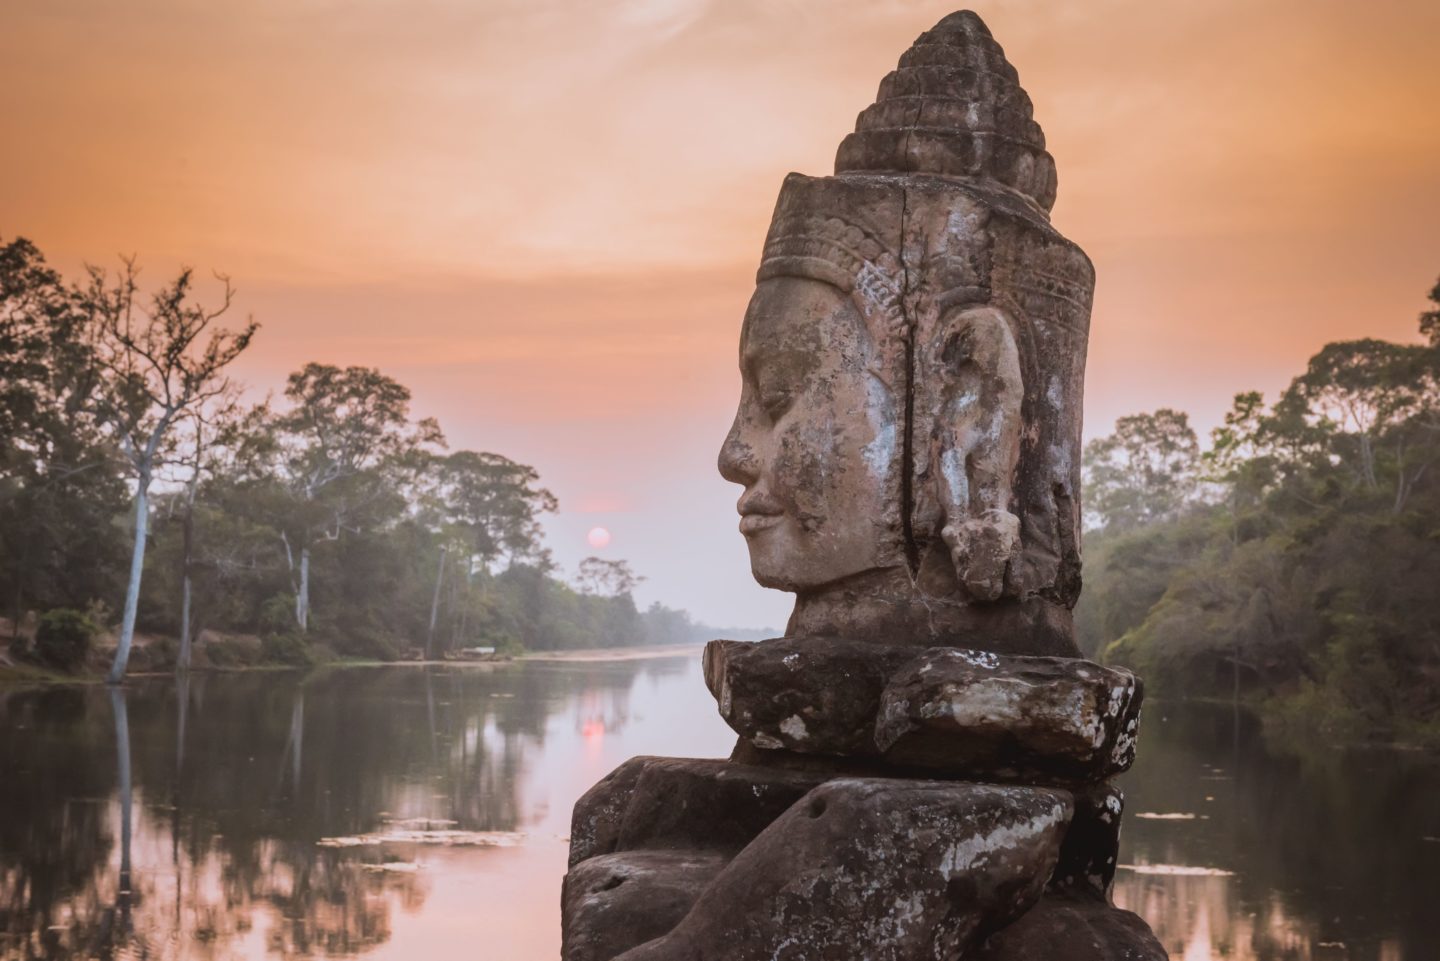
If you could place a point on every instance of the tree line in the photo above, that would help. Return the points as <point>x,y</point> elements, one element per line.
<point>141,489</point>
<point>1295,560</point>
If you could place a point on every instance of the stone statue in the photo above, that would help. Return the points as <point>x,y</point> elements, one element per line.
<point>909,427</point>
<point>924,762</point>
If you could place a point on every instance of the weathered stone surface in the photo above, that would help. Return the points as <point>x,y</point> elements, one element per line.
<point>831,765</point>
<point>1049,720</point>
<point>908,432</point>
<point>947,711</point>
<point>682,803</point>
<point>1072,929</point>
<point>885,870</point>
<point>613,902</point>
<point>1092,843</point>
<point>960,102</point>
<point>812,695</point>
<point>595,819</point>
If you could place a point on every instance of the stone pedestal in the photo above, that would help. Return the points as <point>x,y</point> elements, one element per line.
<point>993,835</point>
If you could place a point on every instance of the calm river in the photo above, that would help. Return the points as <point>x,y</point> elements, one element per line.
<point>277,815</point>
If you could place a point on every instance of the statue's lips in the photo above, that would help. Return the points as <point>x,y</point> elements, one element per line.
<point>755,523</point>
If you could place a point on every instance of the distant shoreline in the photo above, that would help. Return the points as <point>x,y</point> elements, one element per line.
<point>25,674</point>
<point>601,654</point>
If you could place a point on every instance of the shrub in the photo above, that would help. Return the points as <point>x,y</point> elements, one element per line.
<point>232,652</point>
<point>159,655</point>
<point>286,648</point>
<point>63,638</point>
<point>277,614</point>
<point>368,641</point>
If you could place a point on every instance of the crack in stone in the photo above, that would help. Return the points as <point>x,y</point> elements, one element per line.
<point>907,446</point>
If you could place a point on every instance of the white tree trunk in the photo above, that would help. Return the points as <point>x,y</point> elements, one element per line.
<point>302,596</point>
<point>132,590</point>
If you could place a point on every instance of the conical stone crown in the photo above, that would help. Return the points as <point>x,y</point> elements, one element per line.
<point>954,107</point>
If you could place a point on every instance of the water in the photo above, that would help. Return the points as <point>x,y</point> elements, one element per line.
<point>240,786</point>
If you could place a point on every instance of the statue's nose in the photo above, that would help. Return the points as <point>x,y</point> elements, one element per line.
<point>738,463</point>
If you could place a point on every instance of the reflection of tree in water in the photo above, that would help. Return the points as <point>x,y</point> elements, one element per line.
<point>236,777</point>
<point>55,829</point>
<point>334,903</point>
<point>1205,917</point>
<point>1323,848</point>
<point>115,923</point>
<point>68,883</point>
<point>486,726</point>
<point>597,694</point>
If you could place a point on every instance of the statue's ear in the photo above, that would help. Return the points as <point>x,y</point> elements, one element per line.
<point>976,394</point>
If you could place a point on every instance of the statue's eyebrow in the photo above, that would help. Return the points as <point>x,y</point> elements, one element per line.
<point>752,355</point>
<point>750,360</point>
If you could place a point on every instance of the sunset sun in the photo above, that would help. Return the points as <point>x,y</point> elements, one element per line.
<point>598,537</point>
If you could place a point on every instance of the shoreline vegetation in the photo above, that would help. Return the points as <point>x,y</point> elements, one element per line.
<point>154,515</point>
<point>1290,565</point>
<point>150,510</point>
<point>93,671</point>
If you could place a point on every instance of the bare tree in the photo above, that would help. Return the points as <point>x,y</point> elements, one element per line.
<point>157,371</point>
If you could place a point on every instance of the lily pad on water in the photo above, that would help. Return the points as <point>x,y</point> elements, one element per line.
<point>483,839</point>
<point>1177,870</point>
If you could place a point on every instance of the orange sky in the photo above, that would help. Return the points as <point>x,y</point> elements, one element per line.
<point>544,216</point>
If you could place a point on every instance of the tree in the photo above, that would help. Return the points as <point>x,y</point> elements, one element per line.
<point>345,444</point>
<point>1238,441</point>
<point>43,355</point>
<point>1430,319</point>
<point>1311,585</point>
<point>212,433</point>
<point>485,505</point>
<point>157,371</point>
<point>1377,404</point>
<point>606,578</point>
<point>212,539</point>
<point>1145,471</point>
<point>498,502</point>
<point>59,486</point>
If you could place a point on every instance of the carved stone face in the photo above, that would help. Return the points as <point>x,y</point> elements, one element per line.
<point>815,442</point>
<point>913,360</point>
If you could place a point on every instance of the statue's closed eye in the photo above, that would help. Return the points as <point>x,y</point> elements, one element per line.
<point>775,403</point>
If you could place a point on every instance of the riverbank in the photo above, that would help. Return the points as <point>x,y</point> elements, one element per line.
<point>616,653</point>
<point>13,671</point>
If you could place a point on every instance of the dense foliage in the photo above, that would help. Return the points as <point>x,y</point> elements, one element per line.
<point>63,638</point>
<point>327,521</point>
<point>1296,561</point>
